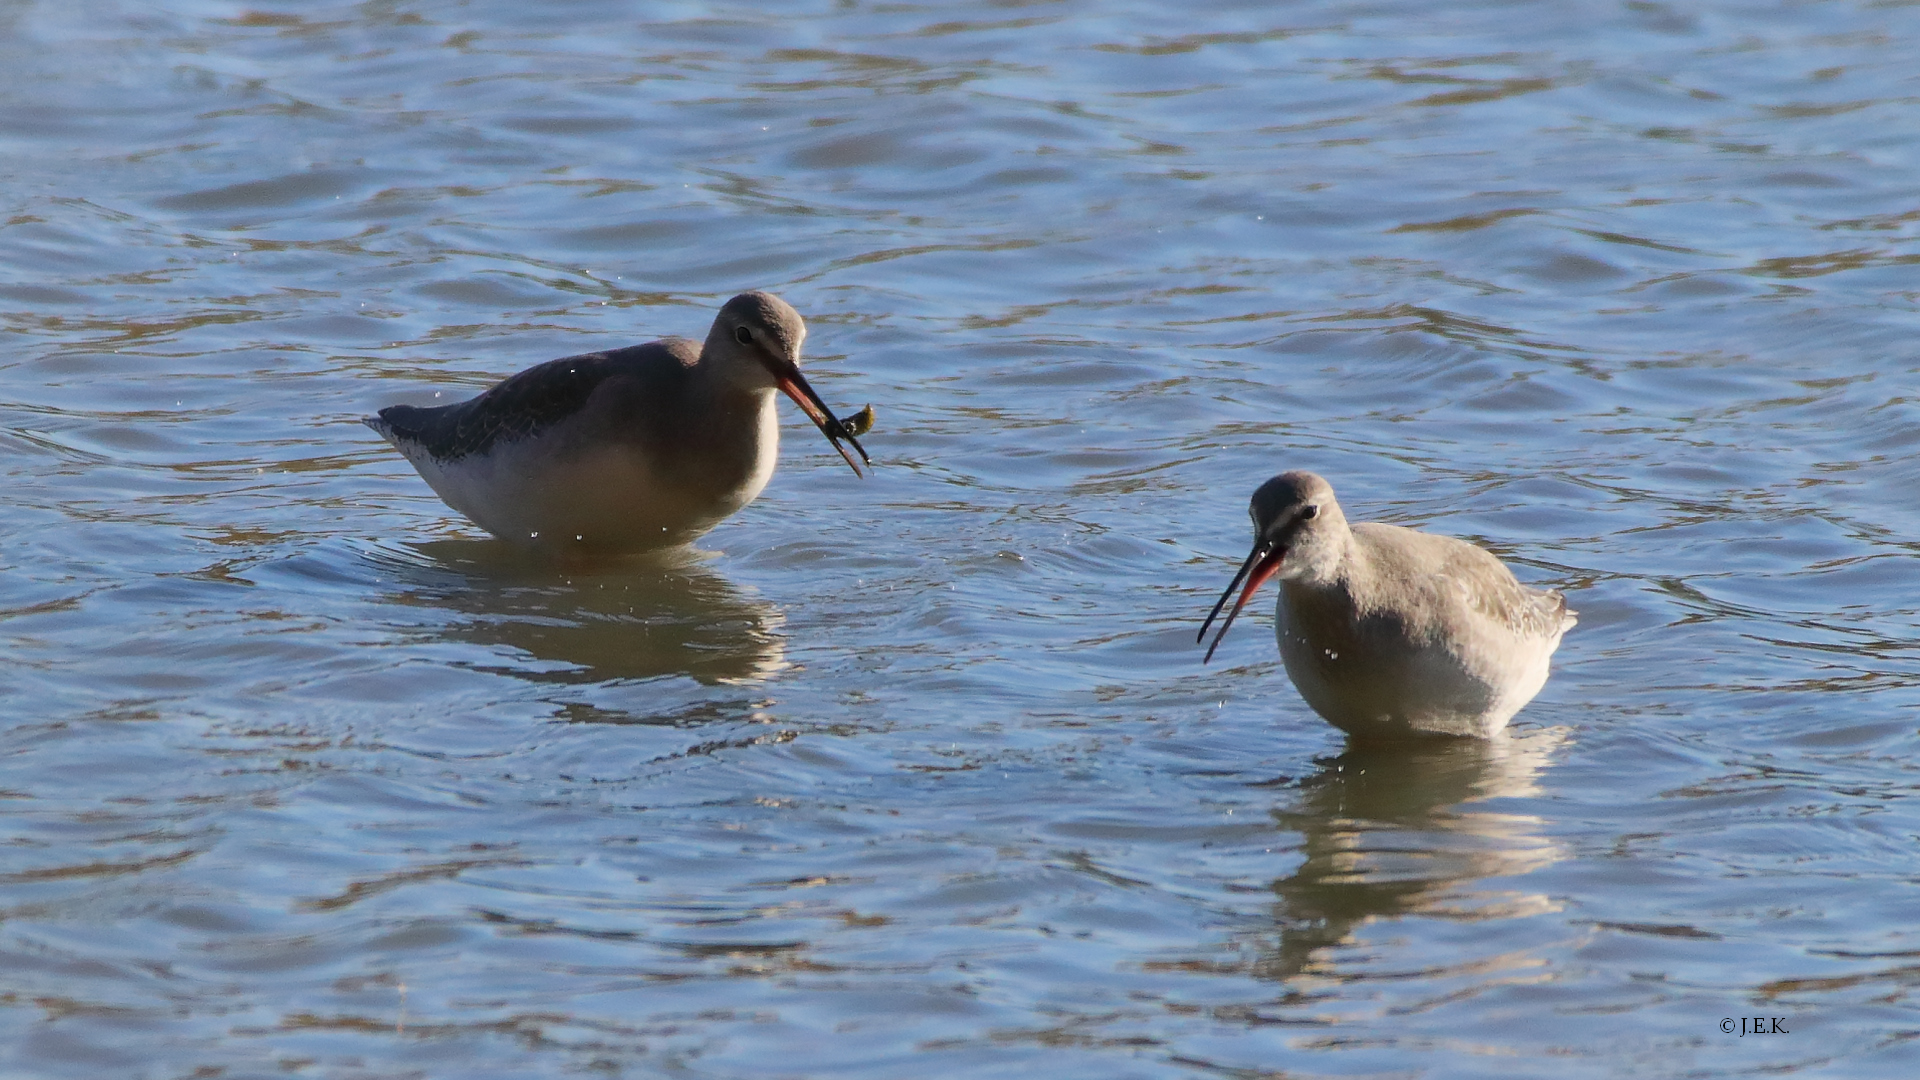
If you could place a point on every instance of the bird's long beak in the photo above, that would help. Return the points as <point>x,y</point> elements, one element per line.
<point>786,375</point>
<point>1261,565</point>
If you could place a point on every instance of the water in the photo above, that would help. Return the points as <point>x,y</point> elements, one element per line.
<point>921,775</point>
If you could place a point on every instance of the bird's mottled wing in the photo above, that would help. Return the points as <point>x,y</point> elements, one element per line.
<point>1459,572</point>
<point>1530,612</point>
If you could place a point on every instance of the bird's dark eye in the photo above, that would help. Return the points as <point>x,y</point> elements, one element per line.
<point>1311,510</point>
<point>743,335</point>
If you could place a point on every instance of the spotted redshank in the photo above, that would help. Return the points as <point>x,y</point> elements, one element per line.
<point>1388,632</point>
<point>624,450</point>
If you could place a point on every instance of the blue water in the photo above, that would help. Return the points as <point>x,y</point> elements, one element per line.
<point>921,775</point>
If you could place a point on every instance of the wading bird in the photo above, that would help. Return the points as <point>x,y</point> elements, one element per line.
<point>1388,632</point>
<point>624,450</point>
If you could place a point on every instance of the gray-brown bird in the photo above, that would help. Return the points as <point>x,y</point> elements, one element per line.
<point>625,450</point>
<point>1388,632</point>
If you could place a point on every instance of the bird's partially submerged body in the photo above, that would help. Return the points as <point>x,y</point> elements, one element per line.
<point>626,450</point>
<point>1388,632</point>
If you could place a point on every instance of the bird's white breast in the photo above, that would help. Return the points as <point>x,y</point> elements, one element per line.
<point>1369,678</point>
<point>557,490</point>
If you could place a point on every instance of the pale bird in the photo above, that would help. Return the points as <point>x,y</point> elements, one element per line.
<point>1388,632</point>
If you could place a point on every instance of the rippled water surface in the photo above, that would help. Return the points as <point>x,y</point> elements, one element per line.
<point>921,775</point>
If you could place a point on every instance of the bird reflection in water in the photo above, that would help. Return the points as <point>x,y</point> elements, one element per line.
<point>636,619</point>
<point>1393,832</point>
